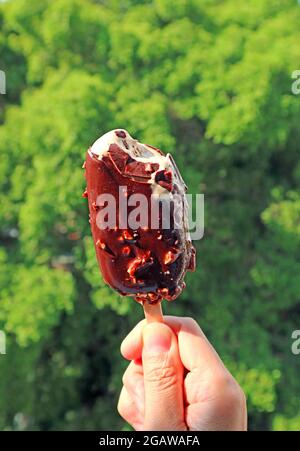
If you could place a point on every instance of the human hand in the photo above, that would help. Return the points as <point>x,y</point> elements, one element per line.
<point>176,381</point>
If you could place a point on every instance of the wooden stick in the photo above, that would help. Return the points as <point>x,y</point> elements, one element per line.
<point>153,312</point>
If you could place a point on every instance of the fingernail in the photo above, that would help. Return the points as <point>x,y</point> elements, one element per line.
<point>157,338</point>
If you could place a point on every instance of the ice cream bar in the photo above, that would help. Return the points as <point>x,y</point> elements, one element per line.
<point>138,217</point>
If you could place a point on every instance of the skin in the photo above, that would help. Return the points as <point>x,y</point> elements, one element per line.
<point>176,381</point>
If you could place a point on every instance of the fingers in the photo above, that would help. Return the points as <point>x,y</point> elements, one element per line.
<point>196,353</point>
<point>214,399</point>
<point>131,401</point>
<point>163,379</point>
<point>219,406</point>
<point>131,347</point>
<point>194,347</point>
<point>127,410</point>
<point>133,381</point>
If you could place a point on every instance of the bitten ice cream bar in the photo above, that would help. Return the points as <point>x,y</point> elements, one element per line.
<point>138,217</point>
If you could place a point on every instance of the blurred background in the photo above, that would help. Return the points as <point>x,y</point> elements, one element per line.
<point>209,81</point>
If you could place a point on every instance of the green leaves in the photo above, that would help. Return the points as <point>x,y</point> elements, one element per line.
<point>259,386</point>
<point>208,81</point>
<point>33,299</point>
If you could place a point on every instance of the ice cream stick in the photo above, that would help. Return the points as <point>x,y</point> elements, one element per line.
<point>153,312</point>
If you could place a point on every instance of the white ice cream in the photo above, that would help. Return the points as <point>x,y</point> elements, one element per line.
<point>140,152</point>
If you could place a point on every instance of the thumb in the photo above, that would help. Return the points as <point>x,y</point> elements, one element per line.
<point>163,379</point>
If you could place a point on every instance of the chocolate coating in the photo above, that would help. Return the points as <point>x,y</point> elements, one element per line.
<point>148,264</point>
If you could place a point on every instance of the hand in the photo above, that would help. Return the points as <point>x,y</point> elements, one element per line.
<point>176,381</point>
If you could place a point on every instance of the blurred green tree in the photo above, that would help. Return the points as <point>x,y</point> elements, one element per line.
<point>209,81</point>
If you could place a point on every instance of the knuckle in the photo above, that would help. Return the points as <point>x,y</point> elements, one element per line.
<point>230,392</point>
<point>125,407</point>
<point>162,376</point>
<point>122,409</point>
<point>191,325</point>
<point>125,379</point>
<point>128,411</point>
<point>191,322</point>
<point>241,397</point>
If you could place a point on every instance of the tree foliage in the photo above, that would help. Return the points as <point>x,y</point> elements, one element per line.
<point>208,81</point>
